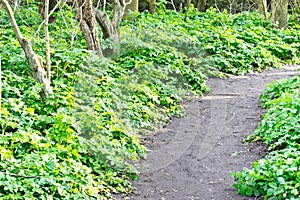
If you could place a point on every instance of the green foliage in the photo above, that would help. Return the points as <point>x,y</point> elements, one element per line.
<point>75,145</point>
<point>234,44</point>
<point>280,125</point>
<point>279,89</point>
<point>277,176</point>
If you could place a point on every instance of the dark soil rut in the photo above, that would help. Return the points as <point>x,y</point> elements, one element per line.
<point>194,156</point>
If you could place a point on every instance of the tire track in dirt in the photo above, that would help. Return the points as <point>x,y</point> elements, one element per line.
<point>205,147</point>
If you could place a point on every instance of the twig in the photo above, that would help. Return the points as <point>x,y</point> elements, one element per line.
<point>264,2</point>
<point>126,3</point>
<point>71,31</point>
<point>104,5</point>
<point>15,5</point>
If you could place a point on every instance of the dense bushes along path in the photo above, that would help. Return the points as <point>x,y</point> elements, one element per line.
<point>193,157</point>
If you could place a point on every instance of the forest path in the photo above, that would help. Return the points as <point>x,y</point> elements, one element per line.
<point>194,156</point>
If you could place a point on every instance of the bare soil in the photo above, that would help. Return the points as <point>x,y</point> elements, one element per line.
<point>192,158</point>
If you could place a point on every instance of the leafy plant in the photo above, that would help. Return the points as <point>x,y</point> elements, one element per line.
<point>275,177</point>
<point>280,89</point>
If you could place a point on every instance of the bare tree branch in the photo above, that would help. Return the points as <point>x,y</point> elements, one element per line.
<point>98,4</point>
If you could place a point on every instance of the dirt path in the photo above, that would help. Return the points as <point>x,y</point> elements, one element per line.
<point>193,157</point>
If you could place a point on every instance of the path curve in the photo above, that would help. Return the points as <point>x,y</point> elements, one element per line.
<point>193,157</point>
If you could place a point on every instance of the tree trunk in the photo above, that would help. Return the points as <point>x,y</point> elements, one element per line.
<point>131,5</point>
<point>34,60</point>
<point>47,40</point>
<point>151,6</point>
<point>52,4</point>
<point>262,7</point>
<point>111,28</point>
<point>201,5</point>
<point>87,22</point>
<point>186,5</point>
<point>279,9</point>
<point>110,31</point>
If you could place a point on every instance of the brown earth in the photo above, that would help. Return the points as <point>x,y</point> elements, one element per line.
<point>193,157</point>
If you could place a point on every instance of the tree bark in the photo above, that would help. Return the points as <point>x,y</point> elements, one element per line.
<point>186,4</point>
<point>111,28</point>
<point>52,4</point>
<point>35,61</point>
<point>48,61</point>
<point>110,31</point>
<point>131,5</point>
<point>279,17</point>
<point>262,7</point>
<point>201,5</point>
<point>152,6</point>
<point>87,22</point>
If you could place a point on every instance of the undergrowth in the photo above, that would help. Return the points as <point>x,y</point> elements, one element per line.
<point>76,144</point>
<point>212,41</point>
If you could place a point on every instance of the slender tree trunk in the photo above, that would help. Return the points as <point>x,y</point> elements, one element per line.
<point>131,5</point>
<point>88,25</point>
<point>201,5</point>
<point>279,9</point>
<point>51,6</point>
<point>110,31</point>
<point>111,27</point>
<point>186,4</point>
<point>35,61</point>
<point>152,6</point>
<point>262,7</point>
